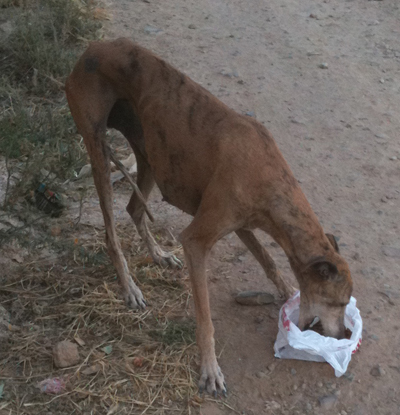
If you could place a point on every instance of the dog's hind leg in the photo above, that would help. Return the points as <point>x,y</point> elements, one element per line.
<point>135,208</point>
<point>265,260</point>
<point>123,118</point>
<point>90,110</point>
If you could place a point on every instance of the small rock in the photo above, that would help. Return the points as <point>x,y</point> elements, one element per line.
<point>65,354</point>
<point>241,258</point>
<point>349,376</point>
<point>377,371</point>
<point>308,406</point>
<point>274,244</point>
<point>313,16</point>
<point>192,26</point>
<point>343,413</point>
<point>17,258</point>
<point>55,231</point>
<point>271,367</point>
<point>356,256</point>
<point>382,81</point>
<point>382,136</point>
<point>250,114</point>
<point>320,384</point>
<point>297,120</point>
<point>254,298</point>
<point>327,402</point>
<point>273,314</point>
<point>229,73</point>
<point>393,158</point>
<point>293,371</point>
<point>92,370</point>
<point>323,65</point>
<point>151,29</point>
<point>261,375</point>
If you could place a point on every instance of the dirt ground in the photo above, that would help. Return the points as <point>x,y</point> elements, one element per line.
<point>325,80</point>
<point>338,127</point>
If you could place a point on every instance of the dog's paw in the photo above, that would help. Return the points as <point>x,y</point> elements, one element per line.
<point>166,259</point>
<point>133,297</point>
<point>212,380</point>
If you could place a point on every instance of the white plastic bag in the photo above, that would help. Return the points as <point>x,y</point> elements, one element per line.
<point>292,343</point>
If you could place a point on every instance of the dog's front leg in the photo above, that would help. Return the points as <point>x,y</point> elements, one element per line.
<point>211,377</point>
<point>265,260</point>
<point>210,224</point>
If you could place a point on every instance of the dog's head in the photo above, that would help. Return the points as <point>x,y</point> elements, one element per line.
<point>326,287</point>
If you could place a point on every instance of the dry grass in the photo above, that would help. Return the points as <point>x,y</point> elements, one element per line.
<point>150,366</point>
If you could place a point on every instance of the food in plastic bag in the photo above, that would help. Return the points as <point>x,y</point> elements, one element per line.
<point>292,343</point>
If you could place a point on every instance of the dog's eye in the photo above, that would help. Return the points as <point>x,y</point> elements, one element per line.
<point>325,273</point>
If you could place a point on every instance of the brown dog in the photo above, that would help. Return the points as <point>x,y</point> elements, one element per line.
<point>223,168</point>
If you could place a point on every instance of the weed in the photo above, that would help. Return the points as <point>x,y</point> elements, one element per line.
<point>42,48</point>
<point>175,333</point>
<point>38,137</point>
<point>38,145</point>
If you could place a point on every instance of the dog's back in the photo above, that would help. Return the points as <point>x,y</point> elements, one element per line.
<point>186,134</point>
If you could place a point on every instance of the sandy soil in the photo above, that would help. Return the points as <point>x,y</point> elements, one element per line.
<point>338,128</point>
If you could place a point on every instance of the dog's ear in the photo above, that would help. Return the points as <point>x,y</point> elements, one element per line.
<point>324,269</point>
<point>333,242</point>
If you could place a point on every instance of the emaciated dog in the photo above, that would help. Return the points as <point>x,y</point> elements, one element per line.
<point>221,167</point>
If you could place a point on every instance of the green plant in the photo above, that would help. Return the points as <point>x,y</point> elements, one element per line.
<point>36,140</point>
<point>42,47</point>
<point>176,333</point>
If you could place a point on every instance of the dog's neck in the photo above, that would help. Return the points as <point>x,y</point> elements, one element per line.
<point>297,230</point>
